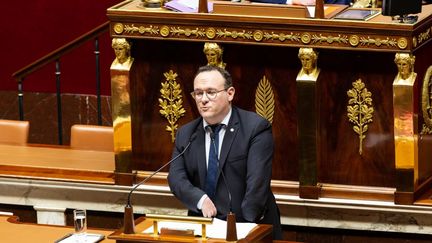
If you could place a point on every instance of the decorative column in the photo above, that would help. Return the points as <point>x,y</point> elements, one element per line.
<point>405,131</point>
<point>121,111</point>
<point>307,110</point>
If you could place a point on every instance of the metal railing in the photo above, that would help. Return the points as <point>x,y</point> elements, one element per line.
<point>55,56</point>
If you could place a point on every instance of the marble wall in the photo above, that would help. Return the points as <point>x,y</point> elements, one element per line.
<point>41,110</point>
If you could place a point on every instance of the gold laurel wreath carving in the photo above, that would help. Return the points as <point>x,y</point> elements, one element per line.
<point>329,39</point>
<point>264,100</point>
<point>171,102</point>
<point>378,41</point>
<point>424,36</point>
<point>426,101</point>
<point>130,29</point>
<point>360,110</point>
<point>264,35</point>
<point>282,37</point>
<point>234,34</point>
<point>197,32</point>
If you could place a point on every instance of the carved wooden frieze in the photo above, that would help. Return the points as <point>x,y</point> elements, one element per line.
<point>264,36</point>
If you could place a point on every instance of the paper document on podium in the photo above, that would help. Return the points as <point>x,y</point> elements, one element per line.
<point>215,230</point>
<point>186,6</point>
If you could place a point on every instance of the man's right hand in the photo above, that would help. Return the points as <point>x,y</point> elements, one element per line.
<point>208,208</point>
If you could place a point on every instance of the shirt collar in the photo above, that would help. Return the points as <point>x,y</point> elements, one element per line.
<point>224,121</point>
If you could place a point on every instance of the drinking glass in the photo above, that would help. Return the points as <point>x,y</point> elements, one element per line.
<point>80,223</point>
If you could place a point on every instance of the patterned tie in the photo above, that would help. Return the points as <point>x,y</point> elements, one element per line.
<point>213,162</point>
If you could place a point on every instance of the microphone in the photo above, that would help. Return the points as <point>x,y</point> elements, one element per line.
<point>128,220</point>
<point>231,234</point>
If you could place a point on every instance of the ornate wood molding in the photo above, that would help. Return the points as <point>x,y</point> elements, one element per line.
<point>319,39</point>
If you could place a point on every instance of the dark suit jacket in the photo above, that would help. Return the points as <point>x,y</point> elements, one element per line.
<point>246,160</point>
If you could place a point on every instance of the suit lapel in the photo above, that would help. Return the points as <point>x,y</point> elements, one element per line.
<point>230,133</point>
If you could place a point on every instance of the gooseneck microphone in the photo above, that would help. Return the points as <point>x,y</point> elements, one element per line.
<point>129,224</point>
<point>231,231</point>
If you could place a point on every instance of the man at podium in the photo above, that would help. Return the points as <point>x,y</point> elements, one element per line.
<point>213,182</point>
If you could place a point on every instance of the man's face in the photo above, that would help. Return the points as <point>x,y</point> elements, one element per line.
<point>213,110</point>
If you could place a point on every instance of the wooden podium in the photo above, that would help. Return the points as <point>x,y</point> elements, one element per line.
<point>261,233</point>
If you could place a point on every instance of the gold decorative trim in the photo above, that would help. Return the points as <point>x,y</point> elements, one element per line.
<point>197,32</point>
<point>422,37</point>
<point>118,28</point>
<point>282,37</point>
<point>306,38</point>
<point>402,43</point>
<point>260,35</point>
<point>164,31</point>
<point>319,38</point>
<point>360,110</point>
<point>130,29</point>
<point>378,41</point>
<point>211,33</point>
<point>426,101</point>
<point>264,100</point>
<point>354,40</point>
<point>171,102</point>
<point>235,34</point>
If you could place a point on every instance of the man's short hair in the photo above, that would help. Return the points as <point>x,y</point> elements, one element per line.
<point>225,74</point>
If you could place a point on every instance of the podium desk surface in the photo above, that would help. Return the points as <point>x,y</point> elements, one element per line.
<point>13,231</point>
<point>56,162</point>
<point>261,233</point>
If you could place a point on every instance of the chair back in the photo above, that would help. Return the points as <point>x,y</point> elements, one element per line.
<point>92,137</point>
<point>14,132</point>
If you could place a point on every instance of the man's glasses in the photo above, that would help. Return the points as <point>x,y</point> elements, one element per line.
<point>211,94</point>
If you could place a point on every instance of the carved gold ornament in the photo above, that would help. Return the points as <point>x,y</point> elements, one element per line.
<point>378,41</point>
<point>264,100</point>
<point>318,38</point>
<point>164,31</point>
<point>306,38</point>
<point>130,29</point>
<point>234,34</point>
<point>354,40</point>
<point>422,37</point>
<point>282,36</point>
<point>329,39</point>
<point>402,43</point>
<point>360,110</point>
<point>171,102</point>
<point>258,35</point>
<point>426,102</point>
<point>118,28</point>
<point>210,33</point>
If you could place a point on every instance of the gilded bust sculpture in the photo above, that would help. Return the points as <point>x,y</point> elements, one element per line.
<point>122,52</point>
<point>214,54</point>
<point>308,58</point>
<point>405,66</point>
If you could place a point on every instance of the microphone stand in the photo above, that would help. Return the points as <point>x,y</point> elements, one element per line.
<point>128,218</point>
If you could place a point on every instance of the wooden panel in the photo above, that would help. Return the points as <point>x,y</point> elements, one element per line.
<point>152,145</point>
<point>341,162</point>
